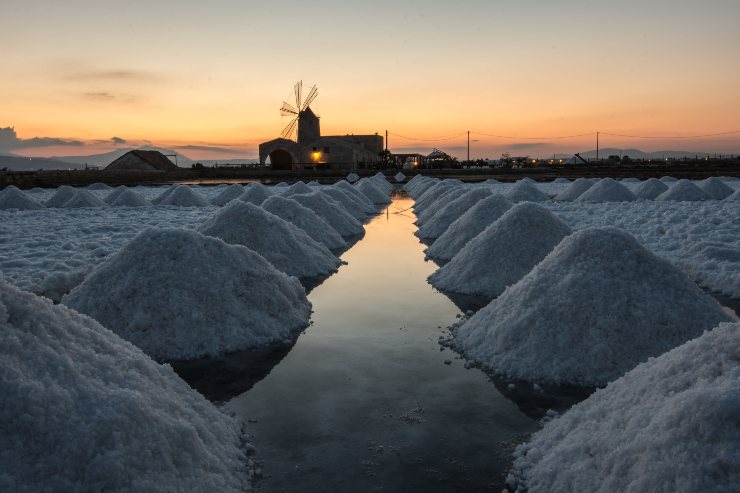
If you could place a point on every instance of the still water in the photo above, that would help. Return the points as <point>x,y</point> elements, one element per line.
<point>366,399</point>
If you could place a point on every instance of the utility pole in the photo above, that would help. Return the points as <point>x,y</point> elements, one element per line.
<point>468,145</point>
<point>386,141</point>
<point>597,145</point>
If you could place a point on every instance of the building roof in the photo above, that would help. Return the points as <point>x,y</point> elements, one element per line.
<point>139,159</point>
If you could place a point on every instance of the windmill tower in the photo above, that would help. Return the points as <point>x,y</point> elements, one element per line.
<point>305,120</point>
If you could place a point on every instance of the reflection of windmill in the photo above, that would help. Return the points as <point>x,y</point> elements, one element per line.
<point>299,112</point>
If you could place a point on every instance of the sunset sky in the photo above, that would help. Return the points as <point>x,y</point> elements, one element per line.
<point>208,78</point>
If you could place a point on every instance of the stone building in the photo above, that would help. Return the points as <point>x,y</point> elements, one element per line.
<point>311,150</point>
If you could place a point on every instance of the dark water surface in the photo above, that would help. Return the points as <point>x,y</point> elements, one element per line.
<point>366,400</point>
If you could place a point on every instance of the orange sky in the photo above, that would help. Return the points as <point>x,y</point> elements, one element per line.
<point>179,74</point>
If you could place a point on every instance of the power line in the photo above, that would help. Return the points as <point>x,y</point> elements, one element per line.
<point>672,137</point>
<point>533,138</point>
<point>429,140</point>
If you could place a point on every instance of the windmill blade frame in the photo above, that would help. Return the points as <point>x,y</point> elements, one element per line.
<point>287,109</point>
<point>288,130</point>
<point>309,99</point>
<point>298,89</point>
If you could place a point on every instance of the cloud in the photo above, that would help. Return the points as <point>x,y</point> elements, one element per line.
<point>224,150</point>
<point>525,145</point>
<point>9,140</point>
<point>118,140</point>
<point>105,96</point>
<point>115,75</point>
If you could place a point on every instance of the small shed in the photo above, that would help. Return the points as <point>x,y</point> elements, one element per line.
<point>138,160</point>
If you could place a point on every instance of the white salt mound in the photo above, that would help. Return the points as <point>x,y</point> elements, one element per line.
<point>468,226</point>
<point>344,186</point>
<point>284,245</point>
<point>61,196</point>
<point>184,196</point>
<point>256,193</point>
<point>349,203</point>
<point>179,295</point>
<point>443,218</point>
<point>668,425</point>
<point>98,186</point>
<point>419,189</point>
<point>232,192</point>
<point>595,307</point>
<point>607,190</point>
<point>399,177</point>
<point>684,190</point>
<point>372,192</point>
<point>13,198</point>
<point>526,191</point>
<point>561,180</point>
<point>83,198</point>
<point>735,195</point>
<point>715,188</point>
<point>432,193</point>
<point>427,211</point>
<point>503,253</point>
<point>574,190</point>
<point>166,192</point>
<point>114,194</point>
<point>333,213</point>
<point>129,198</point>
<point>306,219</point>
<point>84,410</point>
<point>668,179</point>
<point>297,188</point>
<point>650,189</point>
<point>353,177</point>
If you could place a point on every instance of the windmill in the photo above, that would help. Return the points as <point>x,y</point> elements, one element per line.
<point>288,109</point>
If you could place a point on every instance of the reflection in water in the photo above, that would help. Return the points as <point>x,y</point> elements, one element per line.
<point>220,379</point>
<point>366,399</point>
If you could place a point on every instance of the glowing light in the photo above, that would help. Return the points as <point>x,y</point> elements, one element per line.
<point>315,155</point>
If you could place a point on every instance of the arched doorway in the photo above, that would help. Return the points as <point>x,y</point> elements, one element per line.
<point>281,160</point>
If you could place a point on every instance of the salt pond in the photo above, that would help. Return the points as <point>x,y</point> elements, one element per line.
<point>365,400</point>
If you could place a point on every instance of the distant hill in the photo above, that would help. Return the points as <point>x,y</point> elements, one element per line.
<point>19,163</point>
<point>638,154</point>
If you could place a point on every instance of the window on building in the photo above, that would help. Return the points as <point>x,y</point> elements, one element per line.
<point>326,150</point>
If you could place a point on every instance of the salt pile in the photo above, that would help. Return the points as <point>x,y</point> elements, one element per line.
<point>419,189</point>
<point>98,186</point>
<point>232,192</point>
<point>83,198</point>
<point>84,410</point>
<point>353,177</point>
<point>715,188</point>
<point>369,205</point>
<point>668,179</point>
<point>668,425</point>
<point>432,194</point>
<point>373,192</point>
<point>114,194</point>
<point>165,193</point>
<point>598,293</point>
<point>306,219</point>
<point>684,190</point>
<point>178,295</point>
<point>129,198</point>
<point>286,246</point>
<point>607,190</point>
<point>334,214</point>
<point>426,211</point>
<point>296,188</point>
<point>574,190</point>
<point>503,253</point>
<point>61,196</point>
<point>525,191</point>
<point>12,197</point>
<point>256,193</point>
<point>184,196</point>
<point>735,195</point>
<point>439,222</point>
<point>468,226</point>
<point>650,189</point>
<point>349,203</point>
<point>561,180</point>
<point>399,177</point>
<point>382,182</point>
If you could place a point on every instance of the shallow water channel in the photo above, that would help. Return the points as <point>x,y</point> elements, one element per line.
<point>366,400</point>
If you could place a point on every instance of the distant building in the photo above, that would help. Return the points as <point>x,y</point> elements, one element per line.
<point>311,150</point>
<point>142,161</point>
